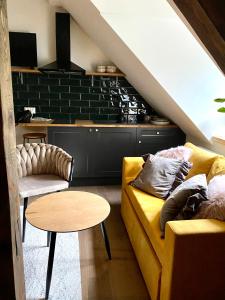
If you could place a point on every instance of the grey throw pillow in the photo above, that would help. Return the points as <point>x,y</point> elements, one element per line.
<point>177,200</point>
<point>160,175</point>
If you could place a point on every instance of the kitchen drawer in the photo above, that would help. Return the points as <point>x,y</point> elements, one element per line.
<point>143,133</point>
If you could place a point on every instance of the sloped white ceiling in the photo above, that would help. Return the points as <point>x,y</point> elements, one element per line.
<point>160,57</point>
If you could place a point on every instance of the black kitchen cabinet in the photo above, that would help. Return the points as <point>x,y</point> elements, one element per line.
<point>109,146</point>
<point>98,151</point>
<point>75,141</point>
<point>153,140</point>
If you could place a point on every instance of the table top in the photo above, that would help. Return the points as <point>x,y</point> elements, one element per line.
<point>67,211</point>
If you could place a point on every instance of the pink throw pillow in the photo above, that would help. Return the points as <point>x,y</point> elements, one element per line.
<point>214,208</point>
<point>180,152</point>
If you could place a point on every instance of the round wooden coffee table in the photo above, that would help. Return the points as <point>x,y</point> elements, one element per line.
<point>67,212</point>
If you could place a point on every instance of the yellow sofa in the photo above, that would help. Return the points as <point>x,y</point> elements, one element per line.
<point>189,264</point>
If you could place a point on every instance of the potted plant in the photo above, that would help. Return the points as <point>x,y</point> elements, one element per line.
<point>220,100</point>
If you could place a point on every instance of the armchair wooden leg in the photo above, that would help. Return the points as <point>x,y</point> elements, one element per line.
<point>25,201</point>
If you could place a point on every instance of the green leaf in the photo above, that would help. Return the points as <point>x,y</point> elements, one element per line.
<point>219,100</point>
<point>221,109</point>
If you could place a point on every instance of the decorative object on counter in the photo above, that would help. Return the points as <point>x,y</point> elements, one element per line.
<point>101,69</point>
<point>155,120</point>
<point>23,116</point>
<point>110,69</point>
<point>41,120</point>
<point>146,118</point>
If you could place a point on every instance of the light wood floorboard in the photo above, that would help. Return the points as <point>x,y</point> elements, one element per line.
<point>120,278</point>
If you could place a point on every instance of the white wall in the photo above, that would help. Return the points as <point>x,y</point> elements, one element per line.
<point>166,47</point>
<point>39,17</point>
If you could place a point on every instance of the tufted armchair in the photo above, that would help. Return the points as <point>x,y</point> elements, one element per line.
<point>42,168</point>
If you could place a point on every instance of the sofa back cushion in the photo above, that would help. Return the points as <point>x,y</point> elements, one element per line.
<point>201,159</point>
<point>218,168</point>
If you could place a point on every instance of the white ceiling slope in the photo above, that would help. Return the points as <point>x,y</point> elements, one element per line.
<point>160,57</point>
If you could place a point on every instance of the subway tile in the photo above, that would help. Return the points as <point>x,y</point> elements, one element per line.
<point>31,80</point>
<point>80,116</point>
<point>27,95</point>
<point>98,117</point>
<point>59,116</point>
<point>77,89</point>
<point>90,110</point>
<point>23,102</point>
<point>123,83</point>
<point>96,90</point>
<point>115,117</point>
<point>106,97</point>
<point>70,109</point>
<point>50,109</point>
<point>59,89</point>
<point>49,95</point>
<point>57,102</point>
<point>43,115</point>
<point>78,103</point>
<point>59,75</point>
<point>73,82</point>
<point>49,81</point>
<point>36,102</point>
<point>112,83</point>
<point>72,96</point>
<point>111,110</point>
<point>38,88</point>
<point>99,104</point>
<point>84,97</point>
<point>89,97</point>
<point>20,87</point>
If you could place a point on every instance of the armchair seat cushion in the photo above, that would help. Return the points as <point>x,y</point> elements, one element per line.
<point>40,184</point>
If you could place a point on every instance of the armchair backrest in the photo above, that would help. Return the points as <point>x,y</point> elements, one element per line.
<point>36,159</point>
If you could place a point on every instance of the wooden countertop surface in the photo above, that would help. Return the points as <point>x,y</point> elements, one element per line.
<point>89,123</point>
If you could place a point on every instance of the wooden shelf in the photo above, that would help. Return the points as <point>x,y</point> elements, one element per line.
<point>27,70</point>
<point>118,74</point>
<point>24,70</point>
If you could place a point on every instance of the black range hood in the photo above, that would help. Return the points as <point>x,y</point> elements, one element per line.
<point>62,63</point>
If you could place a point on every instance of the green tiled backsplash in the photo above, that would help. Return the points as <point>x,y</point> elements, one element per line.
<point>69,96</point>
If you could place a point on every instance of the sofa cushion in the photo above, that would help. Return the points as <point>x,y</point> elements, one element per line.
<point>176,202</point>
<point>201,159</point>
<point>148,209</point>
<point>159,175</point>
<point>218,167</point>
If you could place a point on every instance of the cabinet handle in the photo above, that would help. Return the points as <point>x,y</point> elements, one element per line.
<point>96,130</point>
<point>139,142</point>
<point>157,132</point>
<point>90,130</point>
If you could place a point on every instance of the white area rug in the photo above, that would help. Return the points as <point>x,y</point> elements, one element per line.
<point>66,279</point>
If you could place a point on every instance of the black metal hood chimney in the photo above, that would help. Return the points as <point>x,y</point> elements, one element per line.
<point>62,63</point>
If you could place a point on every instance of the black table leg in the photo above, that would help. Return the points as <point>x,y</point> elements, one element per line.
<point>25,201</point>
<point>50,263</point>
<point>48,238</point>
<point>106,240</point>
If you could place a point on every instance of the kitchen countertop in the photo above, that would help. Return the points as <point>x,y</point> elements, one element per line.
<point>90,123</point>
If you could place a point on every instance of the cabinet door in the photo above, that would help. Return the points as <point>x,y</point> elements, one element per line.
<point>109,146</point>
<point>156,139</point>
<point>74,141</point>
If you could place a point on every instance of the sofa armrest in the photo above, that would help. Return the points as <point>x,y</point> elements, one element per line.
<point>131,167</point>
<point>194,262</point>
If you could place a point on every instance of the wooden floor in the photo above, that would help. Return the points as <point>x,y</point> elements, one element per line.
<point>120,278</point>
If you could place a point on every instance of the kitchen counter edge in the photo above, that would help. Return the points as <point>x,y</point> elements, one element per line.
<point>116,125</point>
